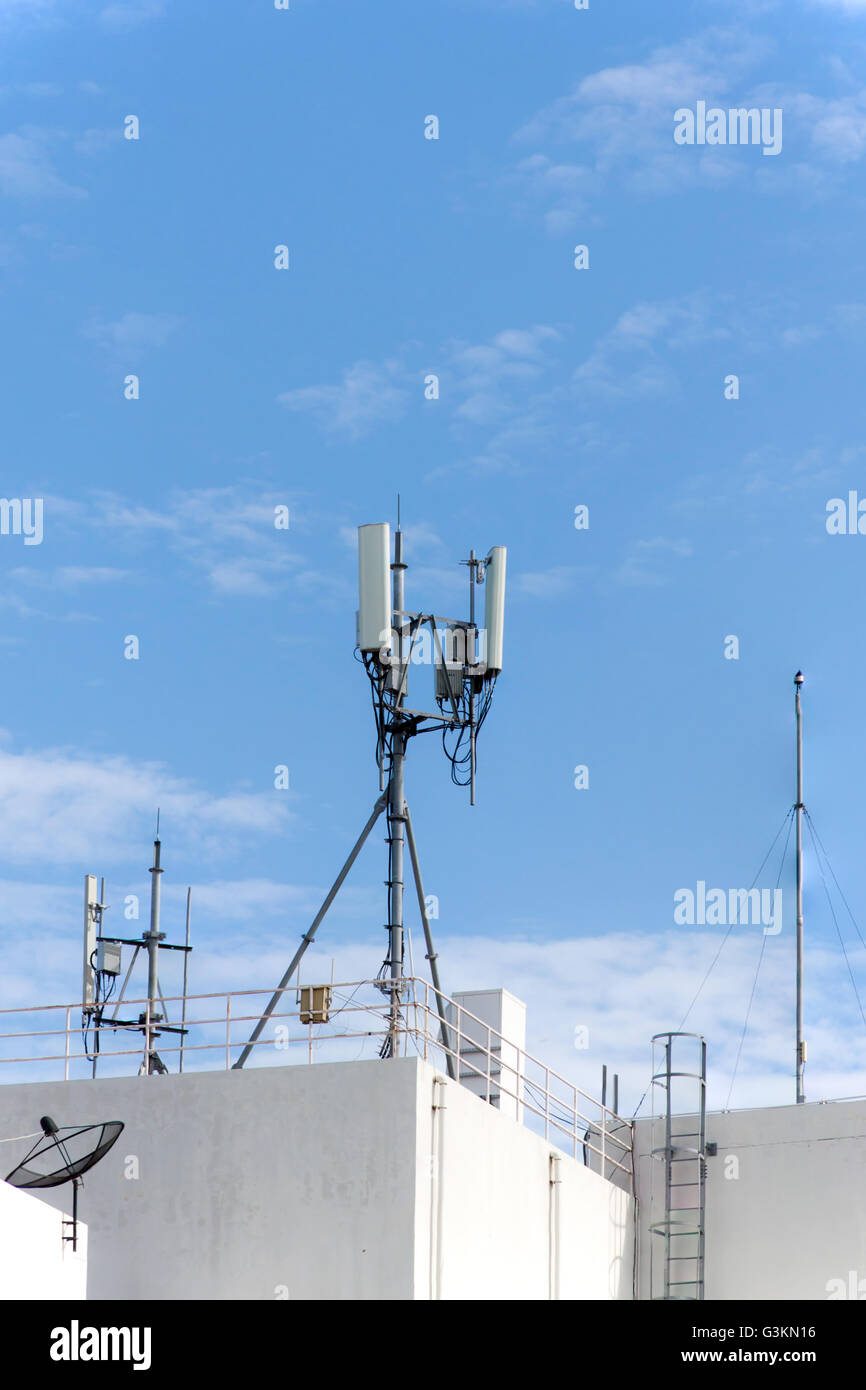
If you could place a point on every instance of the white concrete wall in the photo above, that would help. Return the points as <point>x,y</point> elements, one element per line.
<point>785,1205</point>
<point>318,1182</point>
<point>35,1261</point>
<point>250,1184</point>
<point>484,1223</point>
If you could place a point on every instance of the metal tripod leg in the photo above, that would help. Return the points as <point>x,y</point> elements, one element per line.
<point>306,940</point>
<point>153,1065</point>
<point>428,937</point>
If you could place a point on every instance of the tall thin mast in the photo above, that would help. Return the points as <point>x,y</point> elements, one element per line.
<point>152,940</point>
<point>396,805</point>
<point>472,657</point>
<point>799,808</point>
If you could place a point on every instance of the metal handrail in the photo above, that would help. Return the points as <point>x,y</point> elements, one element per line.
<point>476,1048</point>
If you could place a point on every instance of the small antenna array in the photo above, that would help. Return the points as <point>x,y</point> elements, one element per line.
<point>103,965</point>
<point>466,659</point>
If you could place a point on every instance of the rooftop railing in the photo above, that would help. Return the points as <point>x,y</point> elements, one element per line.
<point>331,1023</point>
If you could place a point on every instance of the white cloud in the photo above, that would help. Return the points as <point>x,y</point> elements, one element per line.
<point>798,335</point>
<point>62,807</point>
<point>69,576</point>
<point>835,127</point>
<point>639,357</point>
<point>641,567</point>
<point>614,108</point>
<point>621,121</point>
<point>128,14</point>
<point>491,378</point>
<point>133,332</point>
<point>97,140</point>
<point>31,89</point>
<point>368,394</point>
<point>618,124</point>
<point>241,901</point>
<point>548,584</point>
<point>227,535</point>
<point>27,172</point>
<point>496,382</point>
<point>628,361</point>
<point>25,9</point>
<point>250,576</point>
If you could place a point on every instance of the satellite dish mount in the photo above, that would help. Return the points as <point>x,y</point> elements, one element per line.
<point>65,1155</point>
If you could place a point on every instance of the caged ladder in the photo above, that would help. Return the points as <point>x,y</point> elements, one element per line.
<point>682,1114</point>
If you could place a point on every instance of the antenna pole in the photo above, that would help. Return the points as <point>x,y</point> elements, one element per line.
<point>471,657</point>
<point>185,977</point>
<point>799,808</point>
<point>152,941</point>
<point>96,1016</point>
<point>396,815</point>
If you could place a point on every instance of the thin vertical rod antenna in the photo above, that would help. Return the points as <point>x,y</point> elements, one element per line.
<point>396,816</point>
<point>97,1017</point>
<point>473,576</point>
<point>428,937</point>
<point>153,939</point>
<point>799,808</point>
<point>185,978</point>
<point>164,1005</point>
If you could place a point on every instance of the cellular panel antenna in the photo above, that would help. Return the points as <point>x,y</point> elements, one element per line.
<point>464,661</point>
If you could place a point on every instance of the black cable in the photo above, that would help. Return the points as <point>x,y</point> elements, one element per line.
<point>835,879</point>
<point>836,924</point>
<point>757,973</point>
<point>733,924</point>
<point>788,814</point>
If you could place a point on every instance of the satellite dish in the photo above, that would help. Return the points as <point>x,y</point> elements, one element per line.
<point>63,1155</point>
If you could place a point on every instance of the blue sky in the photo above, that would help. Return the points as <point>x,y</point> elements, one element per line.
<point>558,387</point>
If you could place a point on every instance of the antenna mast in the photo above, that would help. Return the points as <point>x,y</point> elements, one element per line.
<point>799,808</point>
<point>152,940</point>
<point>396,807</point>
<point>103,965</point>
<point>463,682</point>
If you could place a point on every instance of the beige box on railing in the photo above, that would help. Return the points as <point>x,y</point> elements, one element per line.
<point>315,1002</point>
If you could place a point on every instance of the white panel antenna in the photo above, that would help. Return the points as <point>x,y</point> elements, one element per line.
<point>91,901</point>
<point>374,574</point>
<point>494,608</point>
